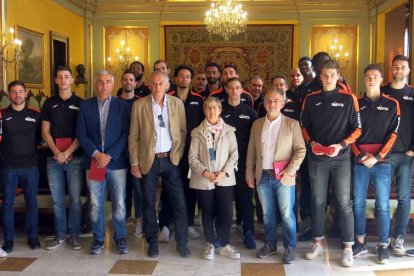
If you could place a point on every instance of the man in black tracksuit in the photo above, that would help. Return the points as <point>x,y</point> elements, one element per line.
<point>403,151</point>
<point>241,116</point>
<point>330,118</point>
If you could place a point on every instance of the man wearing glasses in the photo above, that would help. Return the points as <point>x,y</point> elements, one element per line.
<point>156,144</point>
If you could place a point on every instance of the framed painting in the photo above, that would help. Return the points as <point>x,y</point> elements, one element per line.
<point>30,67</point>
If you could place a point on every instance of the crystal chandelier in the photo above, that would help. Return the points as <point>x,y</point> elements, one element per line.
<point>226,19</point>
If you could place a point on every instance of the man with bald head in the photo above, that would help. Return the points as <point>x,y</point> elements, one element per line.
<point>156,145</point>
<point>102,130</point>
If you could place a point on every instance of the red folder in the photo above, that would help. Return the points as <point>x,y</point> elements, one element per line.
<point>322,149</point>
<point>370,148</point>
<point>279,166</point>
<point>63,144</point>
<point>95,173</point>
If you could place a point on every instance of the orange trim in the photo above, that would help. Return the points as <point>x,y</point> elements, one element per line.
<point>354,98</point>
<point>311,94</point>
<point>305,135</point>
<point>171,93</point>
<point>353,137</point>
<point>355,150</point>
<point>388,145</point>
<point>196,95</point>
<point>217,91</point>
<point>33,108</point>
<point>395,101</point>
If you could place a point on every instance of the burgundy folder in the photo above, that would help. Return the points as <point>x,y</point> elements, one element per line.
<point>370,148</point>
<point>322,149</point>
<point>279,166</point>
<point>95,173</point>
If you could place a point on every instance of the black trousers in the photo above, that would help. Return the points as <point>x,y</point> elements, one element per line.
<point>244,201</point>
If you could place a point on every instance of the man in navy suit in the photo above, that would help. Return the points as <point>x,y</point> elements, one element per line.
<point>102,130</point>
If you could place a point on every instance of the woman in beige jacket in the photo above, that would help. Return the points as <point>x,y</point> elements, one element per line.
<point>213,158</point>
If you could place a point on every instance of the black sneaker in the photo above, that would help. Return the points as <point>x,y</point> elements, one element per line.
<point>289,256</point>
<point>33,243</point>
<point>153,251</point>
<point>121,246</point>
<point>96,247</point>
<point>266,251</point>
<point>248,240</point>
<point>8,246</point>
<point>382,254</point>
<point>359,249</point>
<point>184,251</point>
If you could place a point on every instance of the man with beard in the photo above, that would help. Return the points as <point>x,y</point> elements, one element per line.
<point>403,151</point>
<point>213,73</point>
<point>140,89</point>
<point>133,186</point>
<point>21,127</point>
<point>229,72</point>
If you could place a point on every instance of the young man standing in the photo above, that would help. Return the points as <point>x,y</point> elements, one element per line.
<point>59,116</point>
<point>403,151</point>
<point>380,118</point>
<point>21,127</point>
<point>330,124</point>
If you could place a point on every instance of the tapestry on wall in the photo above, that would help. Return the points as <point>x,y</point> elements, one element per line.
<point>264,50</point>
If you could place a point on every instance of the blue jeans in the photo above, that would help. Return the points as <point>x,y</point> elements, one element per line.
<point>58,175</point>
<point>115,181</point>
<point>29,181</point>
<point>380,177</point>
<point>273,195</point>
<point>402,170</point>
<point>171,177</point>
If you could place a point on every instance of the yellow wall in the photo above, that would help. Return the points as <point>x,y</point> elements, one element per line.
<point>44,16</point>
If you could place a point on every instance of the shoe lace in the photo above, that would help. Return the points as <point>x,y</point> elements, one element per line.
<point>348,255</point>
<point>399,242</point>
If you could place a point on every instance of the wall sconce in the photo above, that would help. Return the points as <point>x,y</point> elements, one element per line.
<point>337,53</point>
<point>10,47</point>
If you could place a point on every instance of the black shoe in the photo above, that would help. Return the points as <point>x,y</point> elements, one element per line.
<point>153,251</point>
<point>96,247</point>
<point>8,246</point>
<point>248,240</point>
<point>382,254</point>
<point>306,236</point>
<point>33,243</point>
<point>184,251</point>
<point>359,249</point>
<point>266,251</point>
<point>121,246</point>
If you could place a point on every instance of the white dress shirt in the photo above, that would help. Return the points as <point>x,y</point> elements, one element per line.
<point>164,140</point>
<point>270,135</point>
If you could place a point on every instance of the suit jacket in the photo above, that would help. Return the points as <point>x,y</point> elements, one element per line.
<point>88,132</point>
<point>143,137</point>
<point>289,146</point>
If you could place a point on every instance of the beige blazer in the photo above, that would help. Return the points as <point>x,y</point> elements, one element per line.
<point>289,146</point>
<point>143,137</point>
<point>199,157</point>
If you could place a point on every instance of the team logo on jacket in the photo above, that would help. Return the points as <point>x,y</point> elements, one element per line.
<point>30,119</point>
<point>318,104</point>
<point>408,98</point>
<point>384,108</point>
<point>228,115</point>
<point>244,116</point>
<point>363,107</point>
<point>56,105</point>
<point>9,118</point>
<point>73,107</point>
<point>288,110</point>
<point>335,104</point>
<point>193,103</point>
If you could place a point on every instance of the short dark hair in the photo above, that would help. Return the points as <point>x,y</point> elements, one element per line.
<point>15,83</point>
<point>233,79</point>
<point>63,68</point>
<point>279,77</point>
<point>373,66</point>
<point>212,64</point>
<point>330,64</point>
<point>161,61</point>
<point>127,71</point>
<point>304,58</point>
<point>138,62</point>
<point>401,57</point>
<point>230,66</point>
<point>319,55</point>
<point>183,67</point>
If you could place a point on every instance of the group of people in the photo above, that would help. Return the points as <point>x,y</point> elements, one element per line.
<point>212,144</point>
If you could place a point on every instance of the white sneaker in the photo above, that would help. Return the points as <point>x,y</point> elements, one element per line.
<point>229,251</point>
<point>209,251</point>
<point>347,257</point>
<point>164,235</point>
<point>397,246</point>
<point>4,253</point>
<point>192,233</point>
<point>138,230</point>
<point>315,251</point>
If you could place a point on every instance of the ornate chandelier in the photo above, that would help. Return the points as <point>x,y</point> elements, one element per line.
<point>226,19</point>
